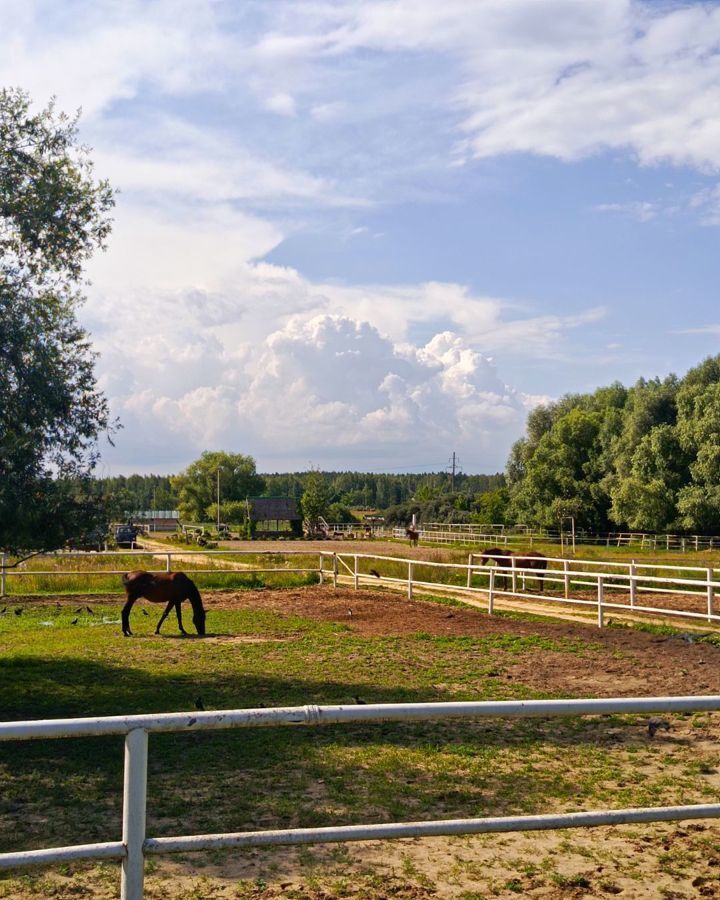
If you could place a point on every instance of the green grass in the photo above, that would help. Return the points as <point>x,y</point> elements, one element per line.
<point>67,791</point>
<point>98,574</point>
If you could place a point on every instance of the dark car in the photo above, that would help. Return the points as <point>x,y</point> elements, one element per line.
<point>126,536</point>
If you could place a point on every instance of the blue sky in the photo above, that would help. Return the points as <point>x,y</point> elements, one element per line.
<point>366,233</point>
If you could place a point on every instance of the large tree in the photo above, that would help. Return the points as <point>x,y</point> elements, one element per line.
<point>197,486</point>
<point>53,215</point>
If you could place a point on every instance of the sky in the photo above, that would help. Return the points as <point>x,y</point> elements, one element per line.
<point>366,234</point>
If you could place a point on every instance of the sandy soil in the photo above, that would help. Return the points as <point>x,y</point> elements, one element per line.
<point>660,861</point>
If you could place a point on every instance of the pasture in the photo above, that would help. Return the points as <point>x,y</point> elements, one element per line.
<point>66,656</point>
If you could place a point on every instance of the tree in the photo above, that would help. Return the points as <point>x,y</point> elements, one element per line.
<point>196,487</point>
<point>53,215</point>
<point>315,499</point>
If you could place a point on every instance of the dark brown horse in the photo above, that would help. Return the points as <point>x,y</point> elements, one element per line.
<point>530,559</point>
<point>162,587</point>
<point>413,535</point>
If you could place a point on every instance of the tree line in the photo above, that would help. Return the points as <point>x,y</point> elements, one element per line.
<point>194,491</point>
<point>645,458</point>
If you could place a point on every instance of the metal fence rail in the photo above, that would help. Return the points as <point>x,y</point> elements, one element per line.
<point>693,582</point>
<point>697,583</point>
<point>9,571</point>
<point>134,845</point>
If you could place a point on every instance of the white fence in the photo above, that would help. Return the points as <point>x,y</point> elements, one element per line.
<point>498,535</point>
<point>8,571</point>
<point>134,844</point>
<point>604,581</point>
<point>697,584</point>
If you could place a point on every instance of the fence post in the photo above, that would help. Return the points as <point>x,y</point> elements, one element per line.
<point>167,562</point>
<point>2,575</point>
<point>356,577</point>
<point>710,593</point>
<point>321,573</point>
<point>566,578</point>
<point>600,597</point>
<point>335,570</point>
<point>133,829</point>
<point>491,589</point>
<point>633,582</point>
<point>410,581</point>
<point>470,562</point>
<point>514,575</point>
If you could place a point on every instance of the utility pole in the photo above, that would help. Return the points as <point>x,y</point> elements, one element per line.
<point>453,465</point>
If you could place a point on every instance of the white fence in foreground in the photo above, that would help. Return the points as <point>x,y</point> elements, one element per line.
<point>134,844</point>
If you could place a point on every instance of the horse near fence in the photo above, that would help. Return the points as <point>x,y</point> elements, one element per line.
<point>504,558</point>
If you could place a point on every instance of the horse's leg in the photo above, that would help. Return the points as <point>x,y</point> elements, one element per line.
<point>178,604</point>
<point>125,615</point>
<point>164,616</point>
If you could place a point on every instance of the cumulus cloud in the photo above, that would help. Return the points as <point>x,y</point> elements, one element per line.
<point>326,388</point>
<point>291,371</point>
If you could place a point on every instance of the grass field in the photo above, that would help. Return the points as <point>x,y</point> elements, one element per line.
<point>290,648</point>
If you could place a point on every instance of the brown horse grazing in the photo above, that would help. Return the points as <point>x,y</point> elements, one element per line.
<point>529,560</point>
<point>412,535</point>
<point>162,587</point>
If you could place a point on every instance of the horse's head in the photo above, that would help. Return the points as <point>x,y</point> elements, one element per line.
<point>492,555</point>
<point>199,619</point>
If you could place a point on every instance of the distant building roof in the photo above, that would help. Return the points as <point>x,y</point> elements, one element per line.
<point>265,509</point>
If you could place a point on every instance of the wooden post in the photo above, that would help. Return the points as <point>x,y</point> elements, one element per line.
<point>470,562</point>
<point>2,575</point>
<point>168,563</point>
<point>600,597</point>
<point>633,582</point>
<point>566,578</point>
<point>356,576</point>
<point>514,574</point>
<point>410,581</point>
<point>321,573</point>
<point>335,570</point>
<point>491,590</point>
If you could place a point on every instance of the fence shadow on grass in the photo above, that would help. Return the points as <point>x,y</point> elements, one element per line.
<point>67,791</point>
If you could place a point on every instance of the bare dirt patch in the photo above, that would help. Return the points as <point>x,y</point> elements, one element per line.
<point>633,662</point>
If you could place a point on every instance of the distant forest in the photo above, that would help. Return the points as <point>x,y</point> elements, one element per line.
<point>402,494</point>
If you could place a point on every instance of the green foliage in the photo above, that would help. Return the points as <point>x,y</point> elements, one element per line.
<point>315,499</point>
<point>196,487</point>
<point>491,508</point>
<point>53,215</point>
<point>645,458</point>
<point>337,512</point>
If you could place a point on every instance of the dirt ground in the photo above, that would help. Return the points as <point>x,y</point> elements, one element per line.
<point>636,662</point>
<point>645,862</point>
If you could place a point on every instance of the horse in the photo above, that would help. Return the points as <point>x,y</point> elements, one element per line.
<point>503,557</point>
<point>412,535</point>
<point>162,587</point>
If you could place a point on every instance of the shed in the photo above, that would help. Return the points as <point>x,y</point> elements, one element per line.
<point>158,519</point>
<point>274,517</point>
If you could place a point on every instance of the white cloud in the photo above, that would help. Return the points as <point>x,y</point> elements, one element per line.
<point>320,388</point>
<point>642,210</point>
<point>281,103</point>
